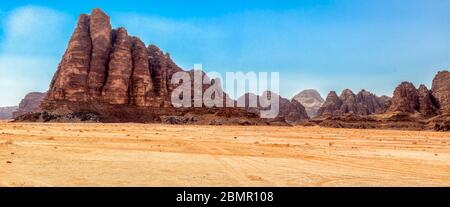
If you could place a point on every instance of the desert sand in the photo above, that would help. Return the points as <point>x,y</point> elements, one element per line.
<point>92,154</point>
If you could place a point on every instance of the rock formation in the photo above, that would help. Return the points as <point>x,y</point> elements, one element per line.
<point>115,90</point>
<point>441,90</point>
<point>369,103</point>
<point>409,108</point>
<point>385,102</point>
<point>349,104</point>
<point>70,80</point>
<point>107,65</point>
<point>7,112</point>
<point>101,39</point>
<point>311,100</point>
<point>405,99</point>
<point>290,111</point>
<point>364,103</point>
<point>30,103</point>
<point>331,105</point>
<point>427,103</point>
<point>142,85</point>
<point>408,99</point>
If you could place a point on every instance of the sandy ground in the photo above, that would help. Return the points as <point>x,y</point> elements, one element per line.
<point>36,154</point>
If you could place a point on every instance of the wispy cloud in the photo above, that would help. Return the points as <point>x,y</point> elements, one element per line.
<point>32,40</point>
<point>34,30</point>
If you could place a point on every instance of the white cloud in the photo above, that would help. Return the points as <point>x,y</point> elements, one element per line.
<point>33,40</point>
<point>34,30</point>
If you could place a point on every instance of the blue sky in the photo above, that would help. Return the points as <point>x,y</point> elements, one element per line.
<point>326,45</point>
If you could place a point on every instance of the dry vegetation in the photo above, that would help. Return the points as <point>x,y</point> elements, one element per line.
<point>36,154</point>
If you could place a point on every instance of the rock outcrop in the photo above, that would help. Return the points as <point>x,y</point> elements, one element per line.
<point>427,103</point>
<point>311,100</point>
<point>385,102</point>
<point>362,104</point>
<point>107,65</point>
<point>409,108</point>
<point>290,111</point>
<point>405,99</point>
<point>441,90</point>
<point>331,106</point>
<point>408,99</point>
<point>349,104</point>
<point>30,103</point>
<point>7,112</point>
<point>369,103</point>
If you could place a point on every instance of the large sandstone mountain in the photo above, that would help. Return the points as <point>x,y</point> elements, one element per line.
<point>109,76</point>
<point>311,100</point>
<point>30,103</point>
<point>7,112</point>
<point>364,103</point>
<point>107,65</point>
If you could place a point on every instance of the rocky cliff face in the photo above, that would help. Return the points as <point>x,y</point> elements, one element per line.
<point>349,104</point>
<point>408,99</point>
<point>405,98</point>
<point>7,112</point>
<point>311,100</point>
<point>427,103</point>
<point>369,103</point>
<point>331,106</point>
<point>441,90</point>
<point>364,103</point>
<point>101,37</point>
<point>107,65</point>
<point>30,103</point>
<point>70,80</point>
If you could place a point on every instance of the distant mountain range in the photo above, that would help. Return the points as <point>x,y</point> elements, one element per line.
<point>29,104</point>
<point>6,112</point>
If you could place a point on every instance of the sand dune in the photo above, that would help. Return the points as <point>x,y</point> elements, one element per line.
<point>50,154</point>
